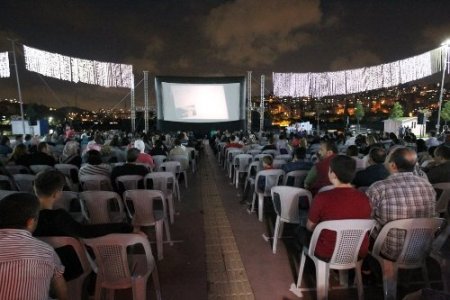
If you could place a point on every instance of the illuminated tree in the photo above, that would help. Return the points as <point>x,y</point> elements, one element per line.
<point>397,111</point>
<point>445,112</point>
<point>359,112</point>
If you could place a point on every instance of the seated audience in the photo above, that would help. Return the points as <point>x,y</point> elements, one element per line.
<point>400,196</point>
<point>19,156</point>
<point>159,149</point>
<point>271,145</point>
<point>5,146</point>
<point>282,144</point>
<point>432,140</point>
<point>28,266</point>
<point>233,142</point>
<point>298,162</point>
<point>318,175</point>
<point>352,151</point>
<point>71,154</point>
<point>143,157</point>
<point>130,168</point>
<point>94,165</point>
<point>342,202</point>
<point>440,172</point>
<point>42,156</point>
<point>179,149</point>
<point>375,171</point>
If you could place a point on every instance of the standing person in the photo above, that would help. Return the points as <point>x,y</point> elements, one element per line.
<point>28,267</point>
<point>318,175</point>
<point>402,195</point>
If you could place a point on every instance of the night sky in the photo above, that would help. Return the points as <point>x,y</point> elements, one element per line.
<point>213,38</point>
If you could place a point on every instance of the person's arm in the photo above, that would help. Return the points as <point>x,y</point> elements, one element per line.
<point>314,214</point>
<point>59,287</point>
<point>311,177</point>
<point>310,225</point>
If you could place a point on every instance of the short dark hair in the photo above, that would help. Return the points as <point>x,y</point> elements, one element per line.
<point>132,154</point>
<point>48,181</point>
<point>17,208</point>
<point>300,152</point>
<point>344,167</point>
<point>442,151</point>
<point>177,142</point>
<point>94,157</point>
<point>399,157</point>
<point>352,150</point>
<point>330,146</point>
<point>377,155</point>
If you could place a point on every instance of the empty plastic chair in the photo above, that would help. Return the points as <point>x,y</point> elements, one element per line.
<point>174,167</point>
<point>4,193</point>
<point>70,202</point>
<point>38,168</point>
<point>102,207</point>
<point>95,183</point>
<point>119,270</point>
<point>285,201</point>
<point>241,163</point>
<point>71,172</point>
<point>166,183</point>
<point>295,178</point>
<point>272,152</point>
<point>139,204</point>
<point>24,182</point>
<point>271,179</point>
<point>129,182</point>
<point>349,238</point>
<point>418,237</point>
<point>7,184</point>
<point>76,288</point>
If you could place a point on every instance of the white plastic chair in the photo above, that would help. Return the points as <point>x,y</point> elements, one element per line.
<point>129,182</point>
<point>17,169</point>
<point>158,160</point>
<point>240,164</point>
<point>271,178</point>
<point>230,155</point>
<point>350,235</point>
<point>419,235</point>
<point>38,168</point>
<point>117,270</point>
<point>253,168</point>
<point>71,172</point>
<point>278,163</point>
<point>174,167</point>
<point>139,204</point>
<point>286,157</point>
<point>192,158</point>
<point>95,183</point>
<point>285,201</point>
<point>7,183</point>
<point>24,182</point>
<point>102,207</point>
<point>295,178</point>
<point>272,152</point>
<point>254,152</point>
<point>166,183</point>
<point>444,198</point>
<point>75,287</point>
<point>259,157</point>
<point>184,161</point>
<point>70,202</point>
<point>442,256</point>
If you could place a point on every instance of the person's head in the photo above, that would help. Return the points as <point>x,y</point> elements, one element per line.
<point>431,150</point>
<point>377,155</point>
<point>327,148</point>
<point>48,186</point>
<point>299,153</point>
<point>177,142</point>
<point>42,147</point>
<point>19,138</point>
<point>71,148</point>
<point>94,157</point>
<point>27,137</point>
<point>442,153</point>
<point>400,160</point>
<point>4,140</point>
<point>19,150</point>
<point>352,150</point>
<point>421,146</point>
<point>342,169</point>
<point>19,211</point>
<point>267,161</point>
<point>132,155</point>
<point>432,133</point>
<point>140,145</point>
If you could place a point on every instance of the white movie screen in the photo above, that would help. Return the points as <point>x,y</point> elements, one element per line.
<point>200,103</point>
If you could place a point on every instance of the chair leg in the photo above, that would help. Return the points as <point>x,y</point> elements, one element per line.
<point>178,190</point>
<point>159,238</point>
<point>260,207</point>
<point>359,283</point>
<point>445,274</point>
<point>139,288</point>
<point>171,208</point>
<point>185,180</point>
<point>236,178</point>
<point>253,202</point>
<point>277,233</point>
<point>166,227</point>
<point>343,278</point>
<point>322,279</point>
<point>156,284</point>
<point>425,275</point>
<point>389,280</point>
<point>295,288</point>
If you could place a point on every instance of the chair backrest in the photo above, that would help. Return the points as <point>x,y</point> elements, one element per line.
<point>139,205</point>
<point>232,152</point>
<point>349,237</point>
<point>444,198</point>
<point>17,169</point>
<point>102,207</point>
<point>129,182</point>
<point>38,168</point>
<point>6,183</point>
<point>271,178</point>
<point>253,168</point>
<point>242,161</point>
<point>183,160</point>
<point>24,182</point>
<point>161,181</point>
<point>171,166</point>
<point>278,163</point>
<point>70,202</point>
<point>95,183</point>
<point>71,171</point>
<point>4,193</point>
<point>253,152</point>
<point>158,160</point>
<point>272,152</point>
<point>62,241</point>
<point>286,157</point>
<point>419,235</point>
<point>285,201</point>
<point>295,178</point>
<point>114,268</point>
<point>259,157</point>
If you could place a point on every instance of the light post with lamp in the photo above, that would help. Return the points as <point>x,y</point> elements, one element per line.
<point>445,55</point>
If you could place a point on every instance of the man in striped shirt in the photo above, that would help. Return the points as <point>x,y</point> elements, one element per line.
<point>28,267</point>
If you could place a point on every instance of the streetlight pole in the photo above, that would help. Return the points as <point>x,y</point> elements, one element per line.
<point>13,43</point>
<point>441,94</point>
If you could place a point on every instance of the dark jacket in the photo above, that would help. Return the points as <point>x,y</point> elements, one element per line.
<point>370,175</point>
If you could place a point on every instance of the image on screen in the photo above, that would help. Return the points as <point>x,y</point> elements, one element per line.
<point>198,102</point>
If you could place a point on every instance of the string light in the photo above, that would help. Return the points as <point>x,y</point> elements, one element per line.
<point>358,80</point>
<point>4,65</point>
<point>78,70</point>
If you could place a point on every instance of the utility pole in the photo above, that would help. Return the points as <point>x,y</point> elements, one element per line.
<point>13,44</point>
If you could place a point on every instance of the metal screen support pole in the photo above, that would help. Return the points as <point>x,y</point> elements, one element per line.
<point>132,106</point>
<point>146,101</point>
<point>13,43</point>
<point>249,101</point>
<point>261,107</point>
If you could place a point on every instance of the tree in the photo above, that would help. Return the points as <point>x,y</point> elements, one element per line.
<point>359,112</point>
<point>445,112</point>
<point>397,111</point>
